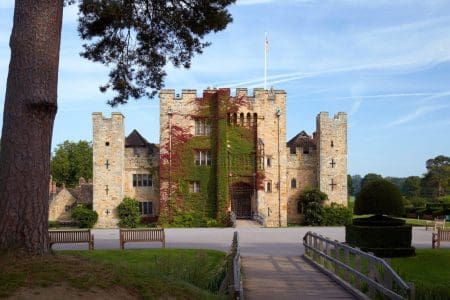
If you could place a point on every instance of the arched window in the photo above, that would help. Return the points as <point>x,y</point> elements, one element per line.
<point>234,118</point>
<point>269,187</point>
<point>332,144</point>
<point>293,183</point>
<point>269,161</point>
<point>249,119</point>
<point>255,119</point>
<point>229,118</point>
<point>241,119</point>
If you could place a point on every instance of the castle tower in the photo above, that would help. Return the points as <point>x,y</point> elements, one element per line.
<point>332,164</point>
<point>108,167</point>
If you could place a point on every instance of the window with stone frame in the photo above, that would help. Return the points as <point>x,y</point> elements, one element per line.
<point>269,161</point>
<point>142,180</point>
<point>269,186</point>
<point>194,187</point>
<point>202,127</point>
<point>146,207</point>
<point>293,183</point>
<point>202,158</point>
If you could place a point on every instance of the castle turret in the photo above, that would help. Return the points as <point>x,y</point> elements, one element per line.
<point>332,165</point>
<point>108,167</point>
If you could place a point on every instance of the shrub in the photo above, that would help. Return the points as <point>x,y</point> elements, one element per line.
<point>336,215</point>
<point>312,195</point>
<point>313,214</point>
<point>85,216</point>
<point>379,197</point>
<point>129,214</point>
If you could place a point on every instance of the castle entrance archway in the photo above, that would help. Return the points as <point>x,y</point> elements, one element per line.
<point>241,200</point>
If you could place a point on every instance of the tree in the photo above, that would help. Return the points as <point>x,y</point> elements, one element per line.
<point>411,186</point>
<point>350,188</point>
<point>28,116</point>
<point>71,161</point>
<point>129,213</point>
<point>137,38</point>
<point>163,31</point>
<point>437,179</point>
<point>370,177</point>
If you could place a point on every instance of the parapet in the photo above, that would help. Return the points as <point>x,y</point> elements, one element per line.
<point>340,116</point>
<point>188,94</point>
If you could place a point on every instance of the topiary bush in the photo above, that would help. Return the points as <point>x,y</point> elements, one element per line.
<point>379,197</point>
<point>86,217</point>
<point>129,213</point>
<point>382,235</point>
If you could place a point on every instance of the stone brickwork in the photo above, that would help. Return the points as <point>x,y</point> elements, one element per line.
<point>323,164</point>
<point>332,166</point>
<point>302,168</point>
<point>60,206</point>
<point>140,161</point>
<point>108,167</point>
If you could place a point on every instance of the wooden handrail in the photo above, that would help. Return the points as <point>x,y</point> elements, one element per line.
<point>380,276</point>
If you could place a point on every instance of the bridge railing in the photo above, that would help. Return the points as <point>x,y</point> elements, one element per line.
<point>232,282</point>
<point>371,276</point>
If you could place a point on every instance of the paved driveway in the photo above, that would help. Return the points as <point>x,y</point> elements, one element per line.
<point>253,241</point>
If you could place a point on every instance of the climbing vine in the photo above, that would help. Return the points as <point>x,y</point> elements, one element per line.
<point>233,159</point>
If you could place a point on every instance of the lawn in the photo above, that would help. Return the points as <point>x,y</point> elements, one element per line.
<point>147,274</point>
<point>429,270</point>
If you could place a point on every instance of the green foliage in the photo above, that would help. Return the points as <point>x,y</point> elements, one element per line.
<point>379,197</point>
<point>311,194</point>
<point>85,216</point>
<point>385,241</point>
<point>411,187</point>
<point>147,274</point>
<point>71,161</point>
<point>370,177</point>
<point>350,188</point>
<point>136,39</point>
<point>313,214</point>
<point>429,271</point>
<point>128,212</point>
<point>336,215</point>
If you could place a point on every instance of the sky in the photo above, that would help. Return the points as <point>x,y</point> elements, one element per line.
<point>386,63</point>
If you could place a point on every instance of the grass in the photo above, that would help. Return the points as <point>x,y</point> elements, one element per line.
<point>429,270</point>
<point>151,273</point>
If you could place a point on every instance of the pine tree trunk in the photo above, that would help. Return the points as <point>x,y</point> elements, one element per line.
<point>29,113</point>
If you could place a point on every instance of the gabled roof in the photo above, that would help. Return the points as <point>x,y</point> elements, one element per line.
<point>301,140</point>
<point>83,193</point>
<point>135,139</point>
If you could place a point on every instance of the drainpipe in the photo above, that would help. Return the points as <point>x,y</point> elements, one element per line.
<point>169,114</point>
<point>278,114</point>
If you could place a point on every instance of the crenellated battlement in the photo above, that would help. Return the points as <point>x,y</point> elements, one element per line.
<point>169,95</point>
<point>324,116</point>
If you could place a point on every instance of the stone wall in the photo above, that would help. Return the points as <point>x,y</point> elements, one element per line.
<point>332,166</point>
<point>108,167</point>
<point>60,206</point>
<point>139,161</point>
<point>303,168</point>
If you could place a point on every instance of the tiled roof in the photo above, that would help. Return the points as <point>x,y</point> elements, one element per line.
<point>302,140</point>
<point>135,139</point>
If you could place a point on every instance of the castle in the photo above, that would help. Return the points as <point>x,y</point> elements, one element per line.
<point>217,154</point>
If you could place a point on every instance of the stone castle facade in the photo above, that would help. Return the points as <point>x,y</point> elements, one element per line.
<point>217,154</point>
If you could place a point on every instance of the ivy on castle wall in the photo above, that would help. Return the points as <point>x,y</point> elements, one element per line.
<point>233,150</point>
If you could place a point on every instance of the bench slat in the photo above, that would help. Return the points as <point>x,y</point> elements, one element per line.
<point>71,236</point>
<point>142,235</point>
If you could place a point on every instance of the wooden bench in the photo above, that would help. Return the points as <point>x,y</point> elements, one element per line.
<point>435,224</point>
<point>71,236</point>
<point>442,235</point>
<point>142,235</point>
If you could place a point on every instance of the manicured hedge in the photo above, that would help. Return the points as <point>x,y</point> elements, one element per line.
<point>384,241</point>
<point>380,197</point>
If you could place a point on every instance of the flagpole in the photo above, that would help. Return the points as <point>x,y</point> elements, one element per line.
<point>266,45</point>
